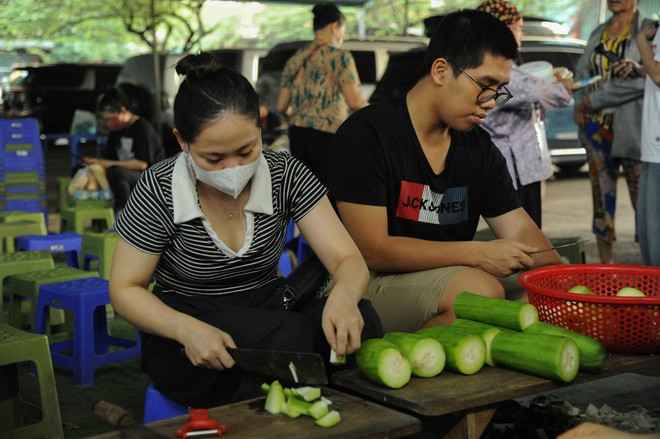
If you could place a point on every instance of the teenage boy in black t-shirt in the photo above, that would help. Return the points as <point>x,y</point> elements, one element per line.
<point>412,176</point>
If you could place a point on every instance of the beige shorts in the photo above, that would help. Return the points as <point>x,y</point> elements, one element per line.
<point>406,300</point>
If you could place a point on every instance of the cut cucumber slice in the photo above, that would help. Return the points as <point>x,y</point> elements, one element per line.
<point>425,355</point>
<point>330,420</point>
<point>383,363</point>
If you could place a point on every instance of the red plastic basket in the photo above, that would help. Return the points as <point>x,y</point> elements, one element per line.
<point>628,325</point>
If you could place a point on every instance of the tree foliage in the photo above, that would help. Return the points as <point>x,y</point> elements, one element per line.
<point>101,30</point>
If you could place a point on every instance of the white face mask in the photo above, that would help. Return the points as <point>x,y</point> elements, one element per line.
<point>231,181</point>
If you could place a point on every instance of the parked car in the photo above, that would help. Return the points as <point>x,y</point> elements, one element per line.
<point>139,71</point>
<point>52,93</point>
<point>403,71</point>
<point>371,57</point>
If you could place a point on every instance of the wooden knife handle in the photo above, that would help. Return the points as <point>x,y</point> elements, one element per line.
<point>113,414</point>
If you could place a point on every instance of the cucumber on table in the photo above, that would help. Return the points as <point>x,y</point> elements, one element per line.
<point>592,353</point>
<point>384,363</point>
<point>465,353</point>
<point>275,398</point>
<point>486,331</point>
<point>330,420</point>
<point>547,356</point>
<point>465,323</point>
<point>426,355</point>
<point>499,312</point>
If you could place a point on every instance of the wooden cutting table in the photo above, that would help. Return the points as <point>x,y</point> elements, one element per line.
<point>459,406</point>
<point>249,420</point>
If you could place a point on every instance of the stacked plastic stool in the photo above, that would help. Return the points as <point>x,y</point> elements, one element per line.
<point>21,215</point>
<point>67,242</point>
<point>24,290</point>
<point>16,347</point>
<point>21,262</point>
<point>91,342</point>
<point>75,219</point>
<point>22,167</point>
<point>157,406</point>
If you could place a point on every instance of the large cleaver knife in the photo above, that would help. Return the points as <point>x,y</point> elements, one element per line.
<point>297,367</point>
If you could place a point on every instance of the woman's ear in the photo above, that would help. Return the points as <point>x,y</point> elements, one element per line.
<point>439,69</point>
<point>179,139</point>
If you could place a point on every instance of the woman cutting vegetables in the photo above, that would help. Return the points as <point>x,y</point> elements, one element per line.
<point>208,225</point>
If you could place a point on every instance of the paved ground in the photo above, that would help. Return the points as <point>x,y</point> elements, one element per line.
<point>567,212</point>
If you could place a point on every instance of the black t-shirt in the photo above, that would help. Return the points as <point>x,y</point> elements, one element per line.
<point>377,160</point>
<point>137,141</point>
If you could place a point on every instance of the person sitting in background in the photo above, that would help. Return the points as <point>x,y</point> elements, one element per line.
<point>517,128</point>
<point>132,145</point>
<point>413,175</point>
<point>274,129</point>
<point>209,226</point>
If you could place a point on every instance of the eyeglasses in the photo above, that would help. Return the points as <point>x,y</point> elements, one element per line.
<point>487,93</point>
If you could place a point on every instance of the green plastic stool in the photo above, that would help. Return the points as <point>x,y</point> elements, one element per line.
<point>100,247</point>
<point>9,231</point>
<point>21,262</point>
<point>18,215</point>
<point>27,285</point>
<point>64,200</point>
<point>17,346</point>
<point>75,218</point>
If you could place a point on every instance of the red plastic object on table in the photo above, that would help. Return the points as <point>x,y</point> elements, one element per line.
<point>626,325</point>
<point>201,424</point>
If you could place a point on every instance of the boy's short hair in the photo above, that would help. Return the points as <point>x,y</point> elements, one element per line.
<point>466,36</point>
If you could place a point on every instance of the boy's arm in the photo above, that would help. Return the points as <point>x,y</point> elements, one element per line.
<point>367,226</point>
<point>517,225</point>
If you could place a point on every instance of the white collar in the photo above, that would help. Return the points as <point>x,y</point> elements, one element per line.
<point>184,193</point>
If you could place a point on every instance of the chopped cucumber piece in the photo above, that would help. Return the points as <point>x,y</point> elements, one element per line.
<point>330,420</point>
<point>630,291</point>
<point>466,353</point>
<point>499,312</point>
<point>547,356</point>
<point>318,409</point>
<point>592,353</point>
<point>308,393</point>
<point>383,363</point>
<point>487,332</point>
<point>290,411</point>
<point>275,398</point>
<point>580,289</point>
<point>334,360</point>
<point>299,405</point>
<point>265,387</point>
<point>426,355</point>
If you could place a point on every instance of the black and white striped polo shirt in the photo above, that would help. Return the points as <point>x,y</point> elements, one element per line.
<point>190,262</point>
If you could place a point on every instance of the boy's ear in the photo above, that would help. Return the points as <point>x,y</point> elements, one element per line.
<point>439,69</point>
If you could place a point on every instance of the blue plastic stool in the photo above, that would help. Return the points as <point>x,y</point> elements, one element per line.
<point>285,267</point>
<point>67,242</point>
<point>304,249</point>
<point>87,299</point>
<point>157,406</point>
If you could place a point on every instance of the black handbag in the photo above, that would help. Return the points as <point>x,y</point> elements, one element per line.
<point>306,282</point>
